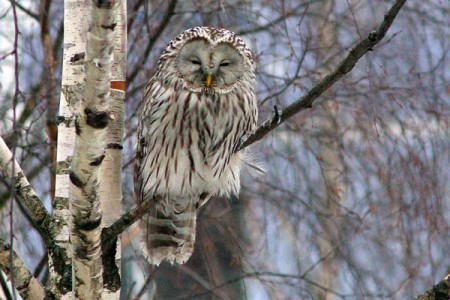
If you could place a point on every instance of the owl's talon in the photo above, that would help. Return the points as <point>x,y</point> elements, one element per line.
<point>277,115</point>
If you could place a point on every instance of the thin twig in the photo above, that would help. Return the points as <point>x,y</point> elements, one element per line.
<point>343,68</point>
<point>108,234</point>
<point>13,156</point>
<point>167,16</point>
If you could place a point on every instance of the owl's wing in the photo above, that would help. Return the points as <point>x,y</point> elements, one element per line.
<point>147,111</point>
<point>240,120</point>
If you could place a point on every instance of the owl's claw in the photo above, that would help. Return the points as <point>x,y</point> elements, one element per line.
<point>277,115</point>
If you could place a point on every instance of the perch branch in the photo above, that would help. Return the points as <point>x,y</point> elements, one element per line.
<point>279,117</point>
<point>119,226</point>
<point>345,66</point>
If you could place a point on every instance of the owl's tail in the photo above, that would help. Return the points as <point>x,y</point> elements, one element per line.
<point>169,230</point>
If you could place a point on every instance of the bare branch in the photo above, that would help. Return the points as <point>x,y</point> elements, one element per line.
<point>27,11</point>
<point>266,274</point>
<point>25,194</point>
<point>110,233</point>
<point>343,68</point>
<point>27,285</point>
<point>151,43</point>
<point>119,226</point>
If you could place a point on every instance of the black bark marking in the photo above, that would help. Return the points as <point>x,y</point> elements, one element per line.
<point>97,161</point>
<point>97,120</point>
<point>111,278</point>
<point>110,27</point>
<point>157,244</point>
<point>60,119</point>
<point>115,146</point>
<point>76,180</point>
<point>87,225</point>
<point>60,257</point>
<point>77,127</point>
<point>77,56</point>
<point>107,4</point>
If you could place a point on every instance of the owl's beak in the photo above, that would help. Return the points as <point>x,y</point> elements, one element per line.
<point>208,80</point>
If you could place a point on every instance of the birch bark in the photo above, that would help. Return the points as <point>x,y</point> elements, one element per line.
<point>111,168</point>
<point>75,28</point>
<point>27,285</point>
<point>92,119</point>
<point>84,135</point>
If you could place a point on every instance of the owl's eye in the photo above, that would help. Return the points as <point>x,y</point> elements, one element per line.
<point>196,62</point>
<point>224,64</point>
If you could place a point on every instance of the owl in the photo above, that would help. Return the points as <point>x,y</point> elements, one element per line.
<point>198,105</point>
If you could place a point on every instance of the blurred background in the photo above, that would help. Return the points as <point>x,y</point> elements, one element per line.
<point>355,202</point>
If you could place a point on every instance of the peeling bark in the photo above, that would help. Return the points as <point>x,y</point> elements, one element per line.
<point>111,168</point>
<point>92,119</point>
<point>24,192</point>
<point>27,285</point>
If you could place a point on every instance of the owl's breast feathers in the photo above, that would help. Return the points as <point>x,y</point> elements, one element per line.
<point>187,135</point>
<point>187,140</point>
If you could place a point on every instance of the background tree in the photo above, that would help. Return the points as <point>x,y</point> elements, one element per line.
<point>386,124</point>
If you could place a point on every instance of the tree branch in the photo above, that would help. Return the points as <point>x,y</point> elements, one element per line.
<point>119,226</point>
<point>27,285</point>
<point>440,291</point>
<point>165,21</point>
<point>343,68</point>
<point>24,192</point>
<point>110,233</point>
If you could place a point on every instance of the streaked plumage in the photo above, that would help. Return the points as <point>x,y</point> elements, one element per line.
<point>195,109</point>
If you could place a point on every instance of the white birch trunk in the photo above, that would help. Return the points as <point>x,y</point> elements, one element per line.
<point>84,109</point>
<point>111,168</point>
<point>91,122</point>
<point>75,28</point>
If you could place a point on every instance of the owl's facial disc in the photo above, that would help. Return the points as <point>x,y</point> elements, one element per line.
<point>211,67</point>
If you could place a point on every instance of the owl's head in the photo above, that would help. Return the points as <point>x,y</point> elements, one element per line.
<point>210,60</point>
